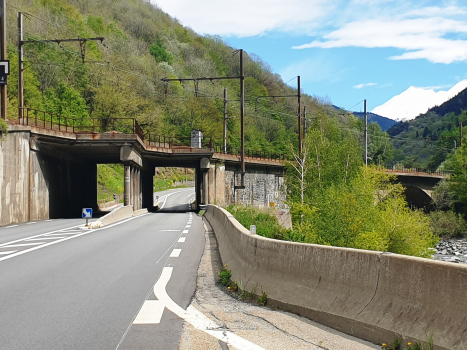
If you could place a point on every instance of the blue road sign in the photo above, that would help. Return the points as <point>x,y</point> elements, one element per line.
<point>87,212</point>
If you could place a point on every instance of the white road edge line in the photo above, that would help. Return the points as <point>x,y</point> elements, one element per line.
<point>11,226</point>
<point>198,319</point>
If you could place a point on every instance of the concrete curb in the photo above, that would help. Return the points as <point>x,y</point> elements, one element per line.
<point>371,295</point>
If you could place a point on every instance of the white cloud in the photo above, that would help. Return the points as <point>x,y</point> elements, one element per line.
<point>422,38</point>
<point>247,17</point>
<point>360,86</point>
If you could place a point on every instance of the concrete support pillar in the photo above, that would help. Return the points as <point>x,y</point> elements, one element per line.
<point>197,188</point>
<point>205,187</point>
<point>127,185</point>
<point>204,167</point>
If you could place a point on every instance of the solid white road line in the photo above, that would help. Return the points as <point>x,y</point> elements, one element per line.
<point>59,240</point>
<point>175,253</point>
<point>150,313</point>
<point>182,240</point>
<point>198,319</point>
<point>185,231</point>
<point>22,245</point>
<point>8,252</point>
<point>42,238</point>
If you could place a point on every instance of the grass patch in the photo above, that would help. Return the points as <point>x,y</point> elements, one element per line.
<point>264,219</point>
<point>110,179</point>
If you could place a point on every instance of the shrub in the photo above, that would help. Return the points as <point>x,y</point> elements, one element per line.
<point>447,224</point>
<point>224,276</point>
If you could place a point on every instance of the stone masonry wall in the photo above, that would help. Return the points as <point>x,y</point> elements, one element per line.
<point>264,186</point>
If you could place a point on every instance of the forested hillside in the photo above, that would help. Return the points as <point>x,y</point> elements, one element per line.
<point>121,76</point>
<point>426,141</point>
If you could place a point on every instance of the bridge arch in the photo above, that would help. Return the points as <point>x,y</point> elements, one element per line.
<point>417,197</point>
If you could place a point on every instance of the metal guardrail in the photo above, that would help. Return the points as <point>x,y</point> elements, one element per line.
<point>416,171</point>
<point>175,141</point>
<point>249,153</point>
<point>53,121</point>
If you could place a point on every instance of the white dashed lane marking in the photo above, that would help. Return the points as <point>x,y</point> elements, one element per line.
<point>175,253</point>
<point>11,226</point>
<point>182,240</point>
<point>185,231</point>
<point>30,223</point>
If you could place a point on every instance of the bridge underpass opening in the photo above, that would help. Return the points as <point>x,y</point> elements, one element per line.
<point>418,198</point>
<point>176,177</point>
<point>110,185</point>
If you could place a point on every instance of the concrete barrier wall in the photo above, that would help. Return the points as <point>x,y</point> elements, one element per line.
<point>14,177</point>
<point>372,295</point>
<point>118,214</point>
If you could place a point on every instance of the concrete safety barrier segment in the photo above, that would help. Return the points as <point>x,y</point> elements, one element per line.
<point>372,295</point>
<point>116,215</point>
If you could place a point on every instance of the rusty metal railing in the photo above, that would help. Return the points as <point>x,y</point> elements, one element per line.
<point>416,171</point>
<point>54,121</point>
<point>162,141</point>
<point>249,153</point>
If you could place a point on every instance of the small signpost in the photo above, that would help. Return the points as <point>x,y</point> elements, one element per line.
<point>87,213</point>
<point>4,71</point>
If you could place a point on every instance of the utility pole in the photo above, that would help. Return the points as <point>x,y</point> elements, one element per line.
<point>462,134</point>
<point>242,120</point>
<point>21,42</point>
<point>3,57</point>
<point>304,122</point>
<point>366,133</point>
<point>225,120</point>
<point>242,109</point>
<point>299,95</point>
<point>20,66</point>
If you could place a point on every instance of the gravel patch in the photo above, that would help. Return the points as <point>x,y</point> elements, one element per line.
<point>268,328</point>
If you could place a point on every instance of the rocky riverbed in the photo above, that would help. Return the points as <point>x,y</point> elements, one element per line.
<point>452,250</point>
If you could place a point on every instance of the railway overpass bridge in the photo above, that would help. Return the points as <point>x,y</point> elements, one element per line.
<point>418,185</point>
<point>48,168</point>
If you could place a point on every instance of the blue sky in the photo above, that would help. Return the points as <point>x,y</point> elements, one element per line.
<point>344,50</point>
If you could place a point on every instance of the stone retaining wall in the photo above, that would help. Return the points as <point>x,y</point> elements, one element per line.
<point>372,295</point>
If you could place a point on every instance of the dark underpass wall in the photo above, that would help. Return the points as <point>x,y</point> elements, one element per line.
<point>36,186</point>
<point>61,188</point>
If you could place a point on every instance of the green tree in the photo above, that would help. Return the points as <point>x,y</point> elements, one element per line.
<point>159,52</point>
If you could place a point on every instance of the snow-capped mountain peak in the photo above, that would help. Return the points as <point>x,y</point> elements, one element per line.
<point>414,101</point>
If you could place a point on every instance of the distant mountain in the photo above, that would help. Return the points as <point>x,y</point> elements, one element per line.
<point>430,137</point>
<point>383,122</point>
<point>415,101</point>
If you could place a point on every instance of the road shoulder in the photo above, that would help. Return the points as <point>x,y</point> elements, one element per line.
<point>263,326</point>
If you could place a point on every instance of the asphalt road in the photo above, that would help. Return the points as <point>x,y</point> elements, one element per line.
<point>62,287</point>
